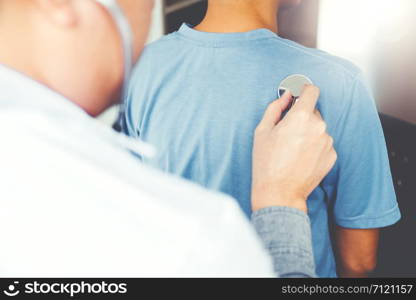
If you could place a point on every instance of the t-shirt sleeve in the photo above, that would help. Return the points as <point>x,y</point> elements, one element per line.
<point>364,193</point>
<point>137,93</point>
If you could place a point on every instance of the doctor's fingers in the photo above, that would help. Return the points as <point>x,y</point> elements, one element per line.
<point>274,112</point>
<point>308,100</point>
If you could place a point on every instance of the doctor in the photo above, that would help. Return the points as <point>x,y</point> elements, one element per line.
<point>74,201</point>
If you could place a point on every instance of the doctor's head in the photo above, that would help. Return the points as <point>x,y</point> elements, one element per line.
<point>73,46</point>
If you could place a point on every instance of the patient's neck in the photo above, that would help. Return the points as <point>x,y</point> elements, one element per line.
<point>238,16</point>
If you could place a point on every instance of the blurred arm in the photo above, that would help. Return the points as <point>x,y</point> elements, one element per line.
<point>286,234</point>
<point>357,251</point>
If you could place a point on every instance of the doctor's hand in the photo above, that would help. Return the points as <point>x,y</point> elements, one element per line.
<point>292,155</point>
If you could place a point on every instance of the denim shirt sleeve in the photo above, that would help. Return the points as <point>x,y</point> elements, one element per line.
<point>286,233</point>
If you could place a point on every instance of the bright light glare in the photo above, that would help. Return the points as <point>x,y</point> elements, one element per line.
<point>349,28</point>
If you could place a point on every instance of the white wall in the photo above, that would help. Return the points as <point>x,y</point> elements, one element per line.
<point>379,36</point>
<point>156,32</point>
<point>352,28</point>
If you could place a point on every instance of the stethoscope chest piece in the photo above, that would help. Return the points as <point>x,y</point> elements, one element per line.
<point>295,84</point>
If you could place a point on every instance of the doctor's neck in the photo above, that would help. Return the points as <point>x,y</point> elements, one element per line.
<point>226,16</point>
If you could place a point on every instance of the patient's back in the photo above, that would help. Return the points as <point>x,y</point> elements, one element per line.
<point>198,98</point>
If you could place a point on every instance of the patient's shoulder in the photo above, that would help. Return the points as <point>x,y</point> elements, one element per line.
<point>162,46</point>
<point>319,58</point>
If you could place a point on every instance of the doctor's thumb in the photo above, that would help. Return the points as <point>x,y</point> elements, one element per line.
<point>275,111</point>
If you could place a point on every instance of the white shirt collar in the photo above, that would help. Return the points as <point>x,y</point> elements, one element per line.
<point>22,93</point>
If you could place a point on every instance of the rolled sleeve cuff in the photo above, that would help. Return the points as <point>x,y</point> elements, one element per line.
<point>286,233</point>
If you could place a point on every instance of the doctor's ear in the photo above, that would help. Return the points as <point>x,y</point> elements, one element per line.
<point>60,12</point>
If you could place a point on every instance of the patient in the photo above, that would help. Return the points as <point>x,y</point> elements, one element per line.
<point>201,111</point>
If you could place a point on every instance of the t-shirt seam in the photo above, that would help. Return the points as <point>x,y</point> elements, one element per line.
<point>238,43</point>
<point>201,44</point>
<point>348,100</point>
<point>350,73</point>
<point>387,213</point>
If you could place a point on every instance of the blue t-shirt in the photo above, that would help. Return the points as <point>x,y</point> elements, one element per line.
<point>199,96</point>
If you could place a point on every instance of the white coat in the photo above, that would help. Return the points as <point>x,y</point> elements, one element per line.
<point>75,202</point>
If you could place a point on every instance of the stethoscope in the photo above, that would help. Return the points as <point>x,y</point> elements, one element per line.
<point>295,84</point>
<point>126,35</point>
